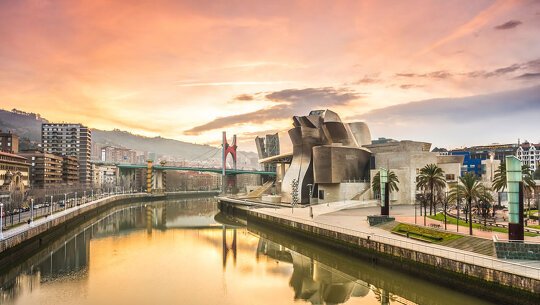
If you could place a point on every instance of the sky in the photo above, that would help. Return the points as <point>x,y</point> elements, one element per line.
<point>453,73</point>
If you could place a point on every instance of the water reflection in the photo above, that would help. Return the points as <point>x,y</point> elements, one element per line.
<point>186,252</point>
<point>317,283</point>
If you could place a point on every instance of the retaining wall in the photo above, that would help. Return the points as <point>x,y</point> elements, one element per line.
<point>517,250</point>
<point>506,287</point>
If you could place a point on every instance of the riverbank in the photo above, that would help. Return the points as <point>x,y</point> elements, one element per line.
<point>487,275</point>
<point>25,239</point>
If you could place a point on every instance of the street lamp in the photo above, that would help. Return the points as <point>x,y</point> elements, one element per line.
<point>31,211</point>
<point>65,202</point>
<point>50,210</point>
<point>1,220</point>
<point>457,207</point>
<point>385,200</point>
<point>445,207</point>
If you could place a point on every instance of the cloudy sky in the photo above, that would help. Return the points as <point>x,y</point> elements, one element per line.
<point>450,72</point>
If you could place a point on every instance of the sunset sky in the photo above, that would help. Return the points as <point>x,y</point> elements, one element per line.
<point>189,69</point>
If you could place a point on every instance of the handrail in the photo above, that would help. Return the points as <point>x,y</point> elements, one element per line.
<point>450,253</point>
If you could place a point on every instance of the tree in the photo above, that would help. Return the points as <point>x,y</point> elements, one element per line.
<point>431,177</point>
<point>392,182</point>
<point>499,180</point>
<point>536,174</point>
<point>470,188</point>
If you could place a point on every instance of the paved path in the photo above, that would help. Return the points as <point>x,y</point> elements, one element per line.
<point>354,222</point>
<point>24,227</point>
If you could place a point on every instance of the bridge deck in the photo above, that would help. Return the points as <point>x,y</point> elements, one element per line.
<point>197,169</point>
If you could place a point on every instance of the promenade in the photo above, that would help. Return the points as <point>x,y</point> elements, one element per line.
<point>22,232</point>
<point>24,227</point>
<point>345,217</point>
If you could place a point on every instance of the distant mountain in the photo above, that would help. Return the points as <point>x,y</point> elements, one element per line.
<point>24,124</point>
<point>159,145</point>
<point>28,126</point>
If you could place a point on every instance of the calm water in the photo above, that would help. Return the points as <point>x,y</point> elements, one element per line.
<point>179,252</point>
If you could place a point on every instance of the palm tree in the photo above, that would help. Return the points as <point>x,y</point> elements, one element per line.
<point>392,182</point>
<point>470,188</point>
<point>431,177</point>
<point>499,180</point>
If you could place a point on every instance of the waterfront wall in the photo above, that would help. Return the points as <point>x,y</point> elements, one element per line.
<point>503,286</point>
<point>33,238</point>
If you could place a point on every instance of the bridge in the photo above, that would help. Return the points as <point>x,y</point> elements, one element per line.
<point>156,177</point>
<point>196,169</point>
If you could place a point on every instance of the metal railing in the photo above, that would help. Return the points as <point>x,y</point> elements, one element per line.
<point>50,204</point>
<point>490,223</point>
<point>441,251</point>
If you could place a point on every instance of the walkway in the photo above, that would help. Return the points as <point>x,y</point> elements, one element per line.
<point>25,227</point>
<point>354,222</point>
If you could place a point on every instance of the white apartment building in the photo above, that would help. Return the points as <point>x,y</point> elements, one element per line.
<point>529,154</point>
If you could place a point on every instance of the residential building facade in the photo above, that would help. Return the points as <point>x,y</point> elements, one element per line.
<point>68,139</point>
<point>70,170</point>
<point>529,154</point>
<point>45,169</point>
<point>105,176</point>
<point>111,154</point>
<point>9,142</point>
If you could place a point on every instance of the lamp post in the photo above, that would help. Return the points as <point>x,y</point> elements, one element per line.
<point>445,206</point>
<point>415,201</point>
<point>84,197</point>
<point>31,211</point>
<point>65,202</point>
<point>50,210</point>
<point>1,220</point>
<point>385,200</point>
<point>310,190</point>
<point>514,182</point>
<point>457,207</point>
<point>75,201</point>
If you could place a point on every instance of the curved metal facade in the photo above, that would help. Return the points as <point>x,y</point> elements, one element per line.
<point>333,148</point>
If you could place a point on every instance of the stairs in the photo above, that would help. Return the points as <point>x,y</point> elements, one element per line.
<point>259,191</point>
<point>359,195</point>
<point>472,244</point>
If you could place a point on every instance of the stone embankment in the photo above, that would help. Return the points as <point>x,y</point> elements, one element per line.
<point>27,238</point>
<point>479,274</point>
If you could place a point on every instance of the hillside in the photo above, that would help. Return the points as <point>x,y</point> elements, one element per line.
<point>28,126</point>
<point>158,145</point>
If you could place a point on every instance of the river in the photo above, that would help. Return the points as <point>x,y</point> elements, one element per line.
<point>186,252</point>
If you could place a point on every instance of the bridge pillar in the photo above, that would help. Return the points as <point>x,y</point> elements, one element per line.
<point>228,181</point>
<point>157,180</point>
<point>229,184</point>
<point>149,177</point>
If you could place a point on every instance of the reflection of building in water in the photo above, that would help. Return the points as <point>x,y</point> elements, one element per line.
<point>313,281</point>
<point>71,258</point>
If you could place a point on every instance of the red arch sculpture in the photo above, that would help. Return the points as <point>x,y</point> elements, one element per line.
<point>228,149</point>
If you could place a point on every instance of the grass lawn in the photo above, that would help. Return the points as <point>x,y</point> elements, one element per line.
<point>534,227</point>
<point>424,234</point>
<point>462,223</point>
